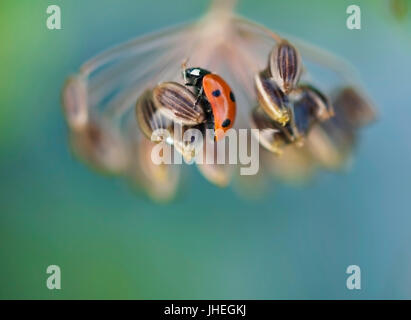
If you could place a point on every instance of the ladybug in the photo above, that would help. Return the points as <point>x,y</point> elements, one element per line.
<point>216,97</point>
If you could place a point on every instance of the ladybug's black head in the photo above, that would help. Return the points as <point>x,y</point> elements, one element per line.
<point>194,76</point>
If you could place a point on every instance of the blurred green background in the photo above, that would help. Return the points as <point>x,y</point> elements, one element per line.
<point>208,243</point>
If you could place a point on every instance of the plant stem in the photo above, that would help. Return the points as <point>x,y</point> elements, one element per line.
<point>223,6</point>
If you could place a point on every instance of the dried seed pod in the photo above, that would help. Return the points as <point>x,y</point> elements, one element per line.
<point>178,103</point>
<point>318,103</point>
<point>331,143</point>
<point>149,117</point>
<point>354,108</point>
<point>285,65</point>
<point>74,100</point>
<point>272,136</point>
<point>272,99</point>
<point>218,174</point>
<point>295,165</point>
<point>159,181</point>
<point>303,119</point>
<point>101,146</point>
<point>187,139</point>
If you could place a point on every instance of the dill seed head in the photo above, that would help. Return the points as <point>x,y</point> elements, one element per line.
<point>99,101</point>
<point>272,99</point>
<point>354,107</point>
<point>318,104</point>
<point>148,116</point>
<point>303,117</point>
<point>160,181</point>
<point>272,135</point>
<point>101,146</point>
<point>330,143</point>
<point>187,139</point>
<point>178,103</point>
<point>74,100</point>
<point>285,65</point>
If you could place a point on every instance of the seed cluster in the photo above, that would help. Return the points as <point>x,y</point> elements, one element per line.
<point>286,109</point>
<point>311,128</point>
<point>171,106</point>
<point>178,103</point>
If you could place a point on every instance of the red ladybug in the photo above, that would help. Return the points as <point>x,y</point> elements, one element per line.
<point>215,95</point>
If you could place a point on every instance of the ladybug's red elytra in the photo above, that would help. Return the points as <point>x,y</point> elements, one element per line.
<point>215,95</point>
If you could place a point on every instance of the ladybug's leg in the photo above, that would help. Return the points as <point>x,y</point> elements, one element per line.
<point>199,96</point>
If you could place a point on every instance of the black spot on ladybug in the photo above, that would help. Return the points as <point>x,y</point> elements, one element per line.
<point>216,93</point>
<point>232,96</point>
<point>226,123</point>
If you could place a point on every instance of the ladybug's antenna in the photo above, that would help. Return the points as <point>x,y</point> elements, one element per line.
<point>184,67</point>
